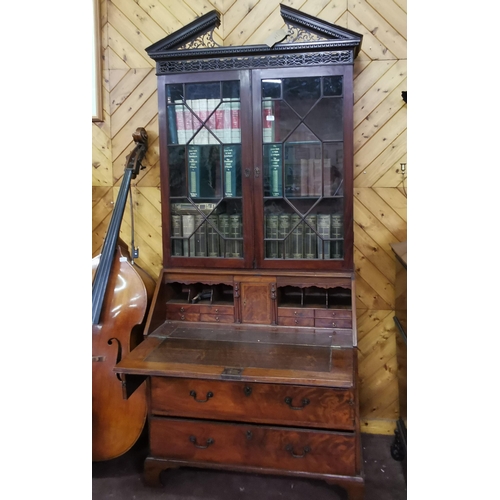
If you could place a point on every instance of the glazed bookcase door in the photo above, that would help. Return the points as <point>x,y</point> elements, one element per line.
<point>203,144</point>
<point>303,167</point>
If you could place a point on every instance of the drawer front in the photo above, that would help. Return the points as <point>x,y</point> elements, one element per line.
<point>216,318</point>
<point>183,315</point>
<point>333,313</point>
<point>252,402</point>
<point>295,312</point>
<point>251,445</point>
<point>219,310</point>
<point>295,321</point>
<point>332,323</point>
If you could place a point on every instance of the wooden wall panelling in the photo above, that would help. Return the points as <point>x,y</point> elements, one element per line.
<point>129,91</point>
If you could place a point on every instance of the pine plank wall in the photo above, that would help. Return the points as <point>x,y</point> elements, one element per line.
<point>130,101</point>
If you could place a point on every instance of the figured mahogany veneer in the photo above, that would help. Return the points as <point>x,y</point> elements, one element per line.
<point>253,402</point>
<point>250,445</point>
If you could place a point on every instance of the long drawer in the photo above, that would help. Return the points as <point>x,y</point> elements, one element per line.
<point>197,312</point>
<point>252,445</point>
<point>253,402</point>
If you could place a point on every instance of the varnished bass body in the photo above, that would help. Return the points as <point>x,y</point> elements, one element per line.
<point>121,294</point>
<point>117,423</point>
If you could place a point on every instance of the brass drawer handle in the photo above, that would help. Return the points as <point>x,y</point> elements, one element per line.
<point>333,324</point>
<point>183,317</point>
<point>182,309</point>
<point>201,447</point>
<point>247,390</point>
<point>210,394</point>
<point>289,448</point>
<point>288,401</point>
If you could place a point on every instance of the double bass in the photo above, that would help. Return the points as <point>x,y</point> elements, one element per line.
<point>121,294</point>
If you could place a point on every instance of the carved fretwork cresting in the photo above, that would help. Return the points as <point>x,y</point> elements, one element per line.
<point>202,42</point>
<point>300,35</point>
<point>275,61</point>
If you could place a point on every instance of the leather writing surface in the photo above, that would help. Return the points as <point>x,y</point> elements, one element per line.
<point>242,354</point>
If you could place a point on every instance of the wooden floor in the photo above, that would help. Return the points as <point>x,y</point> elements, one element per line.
<point>121,478</point>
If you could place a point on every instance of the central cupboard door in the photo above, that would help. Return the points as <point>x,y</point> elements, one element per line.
<point>255,167</point>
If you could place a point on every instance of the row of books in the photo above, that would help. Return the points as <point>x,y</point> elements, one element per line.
<point>215,236</point>
<point>319,237</point>
<point>304,176</point>
<point>224,122</point>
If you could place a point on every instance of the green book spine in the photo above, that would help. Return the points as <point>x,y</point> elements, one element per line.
<point>310,238</point>
<point>224,247</point>
<point>177,232</point>
<point>213,236</point>
<point>297,237</point>
<point>324,236</point>
<point>230,171</point>
<point>187,231</point>
<point>194,171</point>
<point>272,222</point>
<point>337,234</point>
<point>275,169</point>
<point>200,239</point>
<point>285,246</point>
<point>236,231</point>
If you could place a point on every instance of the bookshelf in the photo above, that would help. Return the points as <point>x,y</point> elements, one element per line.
<point>255,304</point>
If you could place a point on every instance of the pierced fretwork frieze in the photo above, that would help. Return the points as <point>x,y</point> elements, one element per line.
<point>280,60</point>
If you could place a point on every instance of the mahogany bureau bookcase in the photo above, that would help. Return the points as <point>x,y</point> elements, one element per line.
<point>249,353</point>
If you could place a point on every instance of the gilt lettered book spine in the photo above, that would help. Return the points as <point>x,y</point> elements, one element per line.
<point>224,246</point>
<point>235,121</point>
<point>310,238</point>
<point>275,169</point>
<point>230,171</point>
<point>200,239</point>
<point>194,170</point>
<point>213,236</point>
<point>236,233</point>
<point>337,234</point>
<point>297,237</point>
<point>285,246</point>
<point>177,233</point>
<point>323,236</point>
<point>187,231</point>
<point>272,248</point>
<point>180,121</point>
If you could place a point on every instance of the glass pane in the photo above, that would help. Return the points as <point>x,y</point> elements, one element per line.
<point>332,85</point>
<point>278,121</point>
<point>271,89</point>
<point>207,229</point>
<point>303,168</point>
<point>198,115</point>
<point>326,120</point>
<point>177,166</point>
<point>316,233</point>
<point>204,171</point>
<point>333,173</point>
<point>301,93</point>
